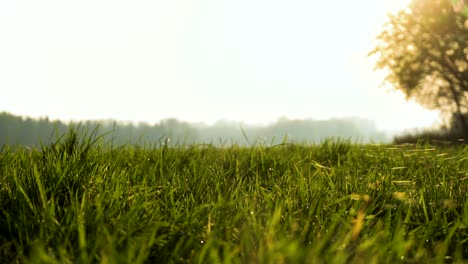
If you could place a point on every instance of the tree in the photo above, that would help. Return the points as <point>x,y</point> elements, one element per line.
<point>425,54</point>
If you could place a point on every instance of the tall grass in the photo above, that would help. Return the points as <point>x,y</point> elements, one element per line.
<point>80,201</point>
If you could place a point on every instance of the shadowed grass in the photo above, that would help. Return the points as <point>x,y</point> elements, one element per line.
<point>79,201</point>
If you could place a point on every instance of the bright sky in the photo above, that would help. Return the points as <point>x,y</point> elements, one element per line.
<point>200,61</point>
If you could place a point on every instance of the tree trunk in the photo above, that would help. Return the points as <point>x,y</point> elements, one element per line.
<point>459,117</point>
<point>464,125</point>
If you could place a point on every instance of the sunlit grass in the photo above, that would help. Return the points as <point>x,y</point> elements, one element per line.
<point>79,201</point>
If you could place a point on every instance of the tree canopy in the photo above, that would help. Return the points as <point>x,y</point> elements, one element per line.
<point>16,130</point>
<point>424,51</point>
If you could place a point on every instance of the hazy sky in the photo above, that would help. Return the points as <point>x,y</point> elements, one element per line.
<point>203,60</point>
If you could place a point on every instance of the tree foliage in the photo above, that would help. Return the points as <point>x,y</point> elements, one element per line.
<point>425,54</point>
<point>15,130</point>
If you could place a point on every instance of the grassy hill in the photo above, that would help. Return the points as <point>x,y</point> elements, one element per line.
<point>80,201</point>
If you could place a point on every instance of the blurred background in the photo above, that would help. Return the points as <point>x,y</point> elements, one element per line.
<point>233,71</point>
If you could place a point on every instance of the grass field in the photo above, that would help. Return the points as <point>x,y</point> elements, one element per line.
<point>80,201</point>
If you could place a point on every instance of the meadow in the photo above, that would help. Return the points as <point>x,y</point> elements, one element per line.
<point>81,200</point>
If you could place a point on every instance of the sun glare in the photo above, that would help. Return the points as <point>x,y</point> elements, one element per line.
<point>122,63</point>
<point>393,6</point>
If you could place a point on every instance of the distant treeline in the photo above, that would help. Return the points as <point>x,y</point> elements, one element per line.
<point>16,130</point>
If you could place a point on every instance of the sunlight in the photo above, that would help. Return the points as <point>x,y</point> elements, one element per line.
<point>396,5</point>
<point>123,68</point>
